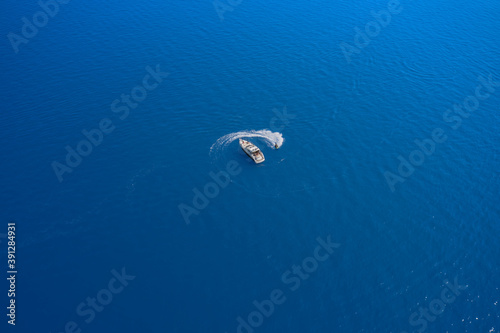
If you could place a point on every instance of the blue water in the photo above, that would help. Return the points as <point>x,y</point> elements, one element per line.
<point>348,119</point>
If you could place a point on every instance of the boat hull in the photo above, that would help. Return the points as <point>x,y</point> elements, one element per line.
<point>252,151</point>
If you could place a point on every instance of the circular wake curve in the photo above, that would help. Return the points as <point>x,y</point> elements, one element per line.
<point>271,138</point>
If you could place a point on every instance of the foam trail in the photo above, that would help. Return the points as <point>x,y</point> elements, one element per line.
<point>269,137</point>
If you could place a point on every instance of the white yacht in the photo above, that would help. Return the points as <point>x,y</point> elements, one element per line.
<point>252,151</point>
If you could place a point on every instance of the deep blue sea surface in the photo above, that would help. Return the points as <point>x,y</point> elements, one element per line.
<point>380,211</point>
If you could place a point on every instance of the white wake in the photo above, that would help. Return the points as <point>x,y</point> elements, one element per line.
<point>270,138</point>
